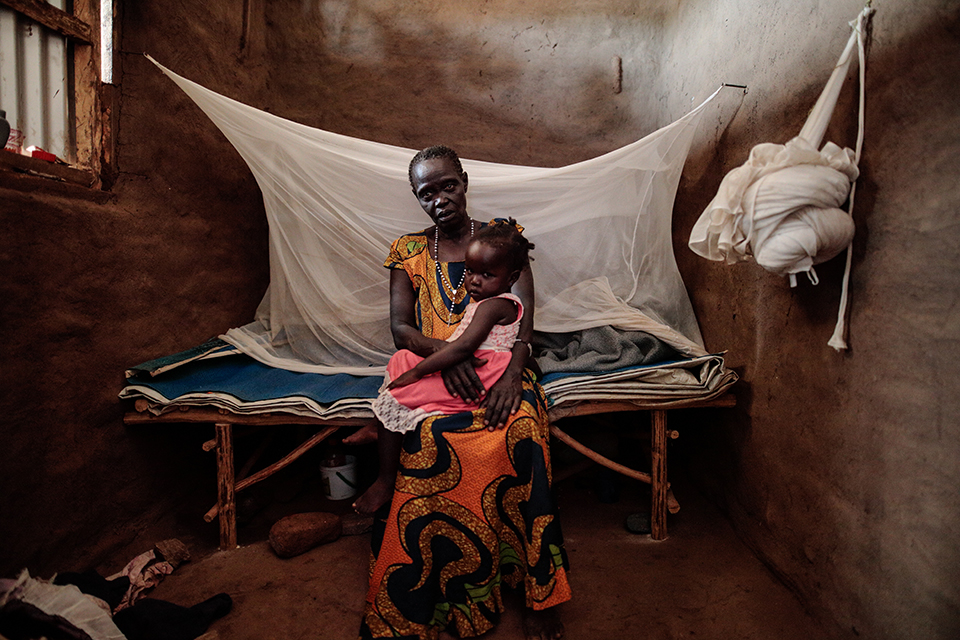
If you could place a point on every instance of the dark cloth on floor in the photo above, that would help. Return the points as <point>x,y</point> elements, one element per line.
<point>92,583</point>
<point>23,621</point>
<point>151,619</point>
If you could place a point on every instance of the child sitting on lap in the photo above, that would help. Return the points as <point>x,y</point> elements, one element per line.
<point>413,388</point>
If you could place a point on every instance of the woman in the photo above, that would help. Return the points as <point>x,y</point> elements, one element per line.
<point>471,508</point>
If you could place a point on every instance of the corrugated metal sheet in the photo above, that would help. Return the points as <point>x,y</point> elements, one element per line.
<point>106,41</point>
<point>34,82</point>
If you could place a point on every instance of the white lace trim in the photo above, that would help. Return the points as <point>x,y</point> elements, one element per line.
<point>397,417</point>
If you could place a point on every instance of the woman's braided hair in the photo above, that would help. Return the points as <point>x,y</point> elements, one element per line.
<point>433,153</point>
<point>508,236</point>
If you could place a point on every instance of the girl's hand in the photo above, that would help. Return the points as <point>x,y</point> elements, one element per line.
<point>407,377</point>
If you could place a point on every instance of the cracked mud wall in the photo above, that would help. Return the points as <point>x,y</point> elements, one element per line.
<point>839,470</point>
<point>176,254</point>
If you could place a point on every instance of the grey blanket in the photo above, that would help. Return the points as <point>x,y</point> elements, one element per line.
<point>599,349</point>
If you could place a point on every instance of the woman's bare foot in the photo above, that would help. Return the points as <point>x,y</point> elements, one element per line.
<point>364,435</point>
<point>375,497</point>
<point>542,625</point>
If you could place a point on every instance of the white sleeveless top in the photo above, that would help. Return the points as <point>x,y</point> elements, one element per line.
<point>501,336</point>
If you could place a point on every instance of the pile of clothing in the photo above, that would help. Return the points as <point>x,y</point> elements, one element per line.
<point>88,606</point>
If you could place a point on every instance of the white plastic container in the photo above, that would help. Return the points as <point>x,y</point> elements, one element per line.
<point>340,482</point>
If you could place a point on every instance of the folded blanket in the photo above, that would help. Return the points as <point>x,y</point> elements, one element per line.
<point>599,349</point>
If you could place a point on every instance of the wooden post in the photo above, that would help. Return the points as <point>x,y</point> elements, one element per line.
<point>226,492</point>
<point>658,474</point>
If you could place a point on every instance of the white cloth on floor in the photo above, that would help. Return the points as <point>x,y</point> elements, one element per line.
<point>65,601</point>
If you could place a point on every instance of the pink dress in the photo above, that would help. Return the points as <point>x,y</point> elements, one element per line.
<point>402,409</point>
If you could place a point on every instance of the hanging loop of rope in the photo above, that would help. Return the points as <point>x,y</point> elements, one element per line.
<point>838,339</point>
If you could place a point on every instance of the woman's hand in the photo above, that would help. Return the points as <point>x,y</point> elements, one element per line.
<point>463,382</point>
<point>503,399</point>
<point>505,395</point>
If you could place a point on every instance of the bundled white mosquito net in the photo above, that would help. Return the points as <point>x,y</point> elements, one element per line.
<point>334,204</point>
<point>781,208</point>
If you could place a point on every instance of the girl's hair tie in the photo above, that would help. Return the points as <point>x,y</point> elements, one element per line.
<point>507,222</point>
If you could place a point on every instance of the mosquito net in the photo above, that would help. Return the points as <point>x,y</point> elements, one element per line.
<point>782,208</point>
<point>334,204</point>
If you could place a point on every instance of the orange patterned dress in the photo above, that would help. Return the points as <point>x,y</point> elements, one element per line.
<point>472,509</point>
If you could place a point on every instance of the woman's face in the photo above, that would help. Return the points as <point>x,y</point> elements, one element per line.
<point>442,192</point>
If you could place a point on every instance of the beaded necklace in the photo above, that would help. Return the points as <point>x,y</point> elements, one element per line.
<point>443,278</point>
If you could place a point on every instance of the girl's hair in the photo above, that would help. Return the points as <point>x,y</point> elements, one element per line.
<point>432,153</point>
<point>508,236</point>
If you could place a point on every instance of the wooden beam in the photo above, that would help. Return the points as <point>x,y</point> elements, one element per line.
<point>19,185</point>
<point>226,492</point>
<point>590,407</point>
<point>209,415</point>
<point>672,505</point>
<point>266,472</point>
<point>662,499</point>
<point>658,474</point>
<point>53,18</point>
<point>37,167</point>
<point>562,436</point>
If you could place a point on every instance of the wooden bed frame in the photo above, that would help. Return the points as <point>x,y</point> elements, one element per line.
<point>227,484</point>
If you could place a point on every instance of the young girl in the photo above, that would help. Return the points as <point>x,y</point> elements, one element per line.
<point>414,390</point>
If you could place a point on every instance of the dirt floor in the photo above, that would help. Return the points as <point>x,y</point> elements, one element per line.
<point>701,582</point>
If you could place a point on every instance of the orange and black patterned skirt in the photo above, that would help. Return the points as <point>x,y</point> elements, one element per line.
<point>472,511</point>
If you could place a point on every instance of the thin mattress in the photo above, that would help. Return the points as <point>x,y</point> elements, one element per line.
<point>216,374</point>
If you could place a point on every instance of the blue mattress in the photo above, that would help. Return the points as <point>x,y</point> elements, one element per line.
<point>250,381</point>
<point>240,384</point>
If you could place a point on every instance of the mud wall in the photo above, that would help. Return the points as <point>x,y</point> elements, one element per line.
<point>838,469</point>
<point>94,283</point>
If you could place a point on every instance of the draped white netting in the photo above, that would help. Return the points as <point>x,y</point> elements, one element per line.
<point>334,204</point>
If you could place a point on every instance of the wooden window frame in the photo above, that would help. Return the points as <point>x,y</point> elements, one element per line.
<point>93,105</point>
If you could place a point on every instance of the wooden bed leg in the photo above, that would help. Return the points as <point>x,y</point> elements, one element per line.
<point>658,474</point>
<point>226,488</point>
<point>272,469</point>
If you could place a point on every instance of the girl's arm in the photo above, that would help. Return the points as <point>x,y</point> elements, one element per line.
<point>489,313</point>
<point>461,380</point>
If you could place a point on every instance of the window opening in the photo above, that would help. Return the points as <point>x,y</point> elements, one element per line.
<point>35,84</point>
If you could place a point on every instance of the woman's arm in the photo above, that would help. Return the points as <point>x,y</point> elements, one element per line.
<point>489,313</point>
<point>505,394</point>
<point>403,317</point>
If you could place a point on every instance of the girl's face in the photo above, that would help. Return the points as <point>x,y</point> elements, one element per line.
<point>487,272</point>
